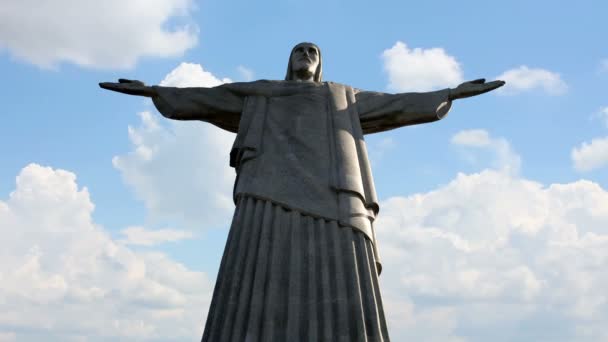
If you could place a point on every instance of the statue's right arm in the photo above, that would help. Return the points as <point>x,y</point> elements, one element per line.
<point>218,105</point>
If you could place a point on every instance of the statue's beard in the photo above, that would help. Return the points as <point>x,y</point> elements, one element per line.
<point>303,74</point>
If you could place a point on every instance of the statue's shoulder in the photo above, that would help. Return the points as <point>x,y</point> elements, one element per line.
<point>270,88</point>
<point>342,86</point>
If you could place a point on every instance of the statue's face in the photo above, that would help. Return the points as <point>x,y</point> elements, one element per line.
<point>305,58</point>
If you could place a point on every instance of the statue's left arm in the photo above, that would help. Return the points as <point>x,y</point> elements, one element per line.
<point>380,112</point>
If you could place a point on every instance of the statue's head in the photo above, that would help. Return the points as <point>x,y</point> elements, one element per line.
<point>304,63</point>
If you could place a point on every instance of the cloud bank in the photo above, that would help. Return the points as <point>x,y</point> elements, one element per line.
<point>64,278</point>
<point>493,257</point>
<point>109,34</point>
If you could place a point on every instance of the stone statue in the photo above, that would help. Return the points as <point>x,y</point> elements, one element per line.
<point>301,261</point>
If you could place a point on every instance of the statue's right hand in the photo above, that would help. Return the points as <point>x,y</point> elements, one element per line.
<point>131,87</point>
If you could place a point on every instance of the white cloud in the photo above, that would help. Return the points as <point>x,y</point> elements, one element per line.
<point>8,337</point>
<point>191,75</point>
<point>63,277</point>
<point>143,237</point>
<point>246,73</point>
<point>523,79</point>
<point>181,169</point>
<point>97,34</point>
<point>505,159</point>
<point>493,250</point>
<point>420,69</point>
<point>473,138</point>
<point>590,156</point>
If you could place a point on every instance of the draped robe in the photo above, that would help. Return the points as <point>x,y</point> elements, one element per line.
<point>300,147</point>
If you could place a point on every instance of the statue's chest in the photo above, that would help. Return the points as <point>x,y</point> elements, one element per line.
<point>298,117</point>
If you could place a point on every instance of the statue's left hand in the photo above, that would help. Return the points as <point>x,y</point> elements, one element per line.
<point>131,87</point>
<point>473,88</point>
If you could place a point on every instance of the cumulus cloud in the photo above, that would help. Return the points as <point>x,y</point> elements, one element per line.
<point>523,78</point>
<point>494,257</point>
<point>505,159</point>
<point>420,69</point>
<point>62,276</point>
<point>144,237</point>
<point>472,137</point>
<point>96,34</point>
<point>191,75</point>
<point>180,169</point>
<point>590,155</point>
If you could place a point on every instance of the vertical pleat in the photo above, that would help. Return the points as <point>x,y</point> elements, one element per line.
<point>370,306</point>
<point>371,252</point>
<point>294,293</point>
<point>261,274</point>
<point>228,303</point>
<point>271,310</point>
<point>340,288</point>
<point>355,309</point>
<point>286,276</point>
<point>325,266</point>
<point>237,324</point>
<point>313,299</point>
<point>220,292</point>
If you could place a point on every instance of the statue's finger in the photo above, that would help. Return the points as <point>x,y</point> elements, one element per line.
<point>108,85</point>
<point>124,80</point>
<point>479,81</point>
<point>495,84</point>
<point>133,82</point>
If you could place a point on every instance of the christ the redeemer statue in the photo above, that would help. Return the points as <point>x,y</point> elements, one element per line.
<point>301,261</point>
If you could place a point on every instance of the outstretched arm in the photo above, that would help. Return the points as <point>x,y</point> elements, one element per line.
<point>380,112</point>
<point>218,105</point>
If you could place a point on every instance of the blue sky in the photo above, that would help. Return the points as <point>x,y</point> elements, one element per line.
<point>493,221</point>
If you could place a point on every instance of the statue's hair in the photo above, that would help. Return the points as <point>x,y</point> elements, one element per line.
<point>318,73</point>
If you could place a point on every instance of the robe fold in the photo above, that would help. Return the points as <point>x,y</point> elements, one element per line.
<point>300,147</point>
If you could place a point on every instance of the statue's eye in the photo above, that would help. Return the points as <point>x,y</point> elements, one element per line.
<point>312,51</point>
<point>299,49</point>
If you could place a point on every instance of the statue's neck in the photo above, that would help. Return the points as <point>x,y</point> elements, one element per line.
<point>303,76</point>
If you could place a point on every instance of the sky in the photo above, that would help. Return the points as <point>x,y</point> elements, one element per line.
<point>493,223</point>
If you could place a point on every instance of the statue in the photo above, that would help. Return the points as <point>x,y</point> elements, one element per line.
<point>301,261</point>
